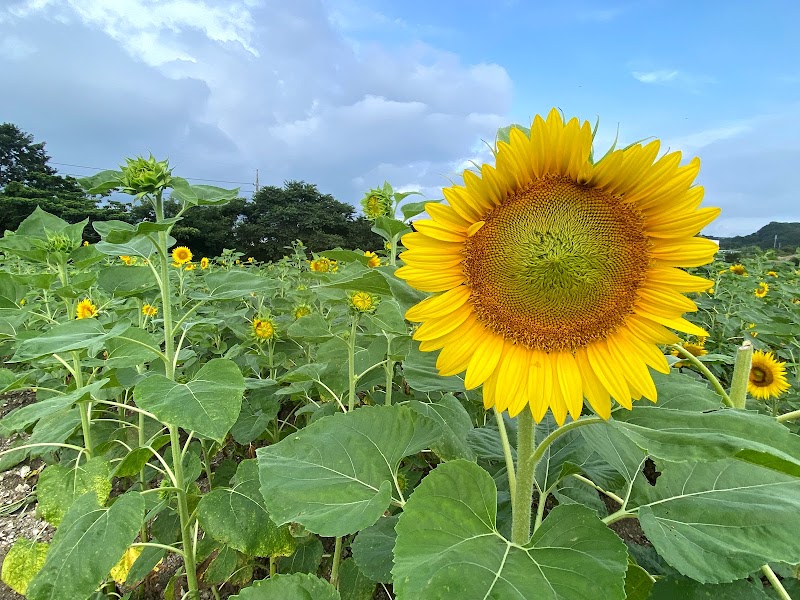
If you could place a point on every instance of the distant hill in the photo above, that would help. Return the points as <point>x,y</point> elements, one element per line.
<point>788,237</point>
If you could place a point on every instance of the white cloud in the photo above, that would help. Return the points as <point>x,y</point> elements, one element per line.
<point>706,137</point>
<point>662,76</point>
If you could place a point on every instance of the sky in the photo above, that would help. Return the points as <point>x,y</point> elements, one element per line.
<point>347,94</point>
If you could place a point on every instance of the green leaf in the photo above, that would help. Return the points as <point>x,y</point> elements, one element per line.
<point>337,475</point>
<point>388,318</point>
<point>373,547</point>
<point>120,232</point>
<point>141,247</point>
<point>22,418</point>
<point>89,542</point>
<point>387,227</point>
<point>720,521</point>
<point>123,281</point>
<point>671,588</point>
<point>638,583</point>
<point>131,348</point>
<point>259,409</point>
<point>311,328</point>
<point>353,585</point>
<point>448,546</point>
<point>345,256</point>
<point>306,558</point>
<point>455,423</point>
<point>209,404</point>
<point>297,586</point>
<point>233,285</point>
<point>23,561</point>
<point>59,487</point>
<point>237,517</point>
<point>504,133</point>
<point>419,369</point>
<point>101,182</point>
<point>72,335</point>
<point>201,195</point>
<point>412,209</point>
<point>372,281</point>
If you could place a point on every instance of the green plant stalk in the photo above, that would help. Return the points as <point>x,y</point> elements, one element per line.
<point>85,408</point>
<point>704,370</point>
<point>795,414</point>
<point>521,507</point>
<point>776,583</point>
<point>389,367</point>
<point>741,374</point>
<point>337,559</point>
<point>393,251</point>
<point>169,367</point>
<point>351,363</point>
<point>512,474</point>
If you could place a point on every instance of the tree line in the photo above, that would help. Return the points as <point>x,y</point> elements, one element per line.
<point>262,227</point>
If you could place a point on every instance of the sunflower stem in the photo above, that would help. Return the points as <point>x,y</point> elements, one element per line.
<point>512,474</point>
<point>741,374</point>
<point>795,414</point>
<point>775,582</point>
<point>704,370</point>
<point>521,507</point>
<point>351,363</point>
<point>337,559</point>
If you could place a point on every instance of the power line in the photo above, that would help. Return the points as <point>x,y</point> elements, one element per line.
<point>192,178</point>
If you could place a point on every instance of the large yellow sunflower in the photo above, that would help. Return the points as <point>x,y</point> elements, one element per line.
<point>767,376</point>
<point>557,277</point>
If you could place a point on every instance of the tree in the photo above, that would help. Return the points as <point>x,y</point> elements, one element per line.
<point>299,211</point>
<point>21,160</point>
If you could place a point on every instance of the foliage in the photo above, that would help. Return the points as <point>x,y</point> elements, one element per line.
<point>788,237</point>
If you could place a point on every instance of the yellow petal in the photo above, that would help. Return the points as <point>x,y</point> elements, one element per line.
<point>569,379</point>
<point>484,362</point>
<point>439,306</point>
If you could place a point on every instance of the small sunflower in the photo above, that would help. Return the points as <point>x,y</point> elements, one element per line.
<point>85,309</point>
<point>377,203</point>
<point>181,255</point>
<point>204,263</point>
<point>149,310</point>
<point>710,291</point>
<point>767,376</point>
<point>738,270</point>
<point>697,348</point>
<point>323,265</point>
<point>190,267</point>
<point>761,290</point>
<point>363,302</point>
<point>558,277</point>
<point>128,260</point>
<point>750,327</point>
<point>251,260</point>
<point>374,259</point>
<point>264,328</point>
<point>85,243</point>
<point>771,274</point>
<point>301,310</point>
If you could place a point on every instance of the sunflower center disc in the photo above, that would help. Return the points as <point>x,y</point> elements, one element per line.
<point>760,377</point>
<point>557,265</point>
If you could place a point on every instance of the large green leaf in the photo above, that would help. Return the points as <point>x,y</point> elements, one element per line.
<point>387,227</point>
<point>72,335</point>
<point>720,521</point>
<point>124,281</point>
<point>368,280</point>
<point>23,561</point>
<point>236,516</point>
<point>338,475</point>
<point>134,346</point>
<point>671,588</point>
<point>353,584</point>
<point>120,232</point>
<point>373,549</point>
<point>201,195</point>
<point>306,558</point>
<point>455,422</point>
<point>59,487</point>
<point>24,417</point>
<point>89,542</point>
<point>448,546</point>
<point>209,404</point>
<point>297,586</point>
<point>233,285</point>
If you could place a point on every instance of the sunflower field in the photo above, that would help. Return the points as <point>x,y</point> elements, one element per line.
<point>548,386</point>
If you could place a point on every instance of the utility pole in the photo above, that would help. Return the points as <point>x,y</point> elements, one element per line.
<point>256,181</point>
<point>775,242</point>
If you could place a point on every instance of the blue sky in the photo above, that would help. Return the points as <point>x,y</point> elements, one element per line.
<point>347,93</point>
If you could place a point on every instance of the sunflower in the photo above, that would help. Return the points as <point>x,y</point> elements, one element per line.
<point>761,290</point>
<point>376,203</point>
<point>772,274</point>
<point>204,263</point>
<point>557,277</point>
<point>85,243</point>
<point>323,265</point>
<point>181,255</point>
<point>767,376</point>
<point>149,310</point>
<point>264,329</point>
<point>301,310</point>
<point>363,302</point>
<point>85,309</point>
<point>128,260</point>
<point>190,267</point>
<point>697,348</point>
<point>374,259</point>
<point>738,270</point>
